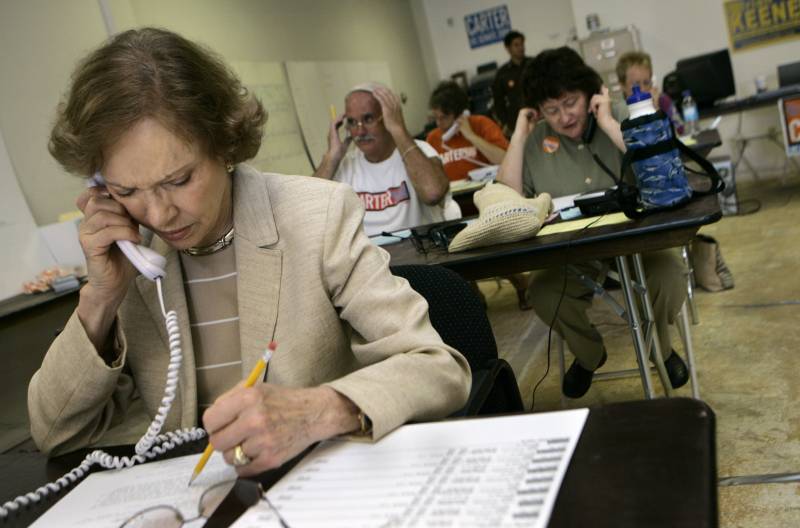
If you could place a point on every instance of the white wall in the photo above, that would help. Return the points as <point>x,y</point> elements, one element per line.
<point>545,24</point>
<point>41,40</point>
<point>681,28</point>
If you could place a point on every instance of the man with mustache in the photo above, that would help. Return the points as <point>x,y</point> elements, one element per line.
<point>400,181</point>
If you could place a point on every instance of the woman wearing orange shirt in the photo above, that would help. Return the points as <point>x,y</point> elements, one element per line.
<point>478,142</point>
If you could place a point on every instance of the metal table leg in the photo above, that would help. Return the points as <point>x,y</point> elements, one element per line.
<point>686,336</point>
<point>690,284</point>
<point>635,325</point>
<point>651,333</point>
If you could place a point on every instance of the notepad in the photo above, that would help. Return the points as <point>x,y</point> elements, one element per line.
<point>503,471</point>
<point>109,498</point>
<point>575,225</point>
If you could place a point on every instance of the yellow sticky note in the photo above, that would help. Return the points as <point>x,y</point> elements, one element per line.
<point>333,113</point>
<point>574,225</point>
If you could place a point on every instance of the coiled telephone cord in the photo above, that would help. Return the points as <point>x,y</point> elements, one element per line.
<point>149,446</point>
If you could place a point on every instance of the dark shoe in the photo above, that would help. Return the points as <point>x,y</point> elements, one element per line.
<point>577,379</point>
<point>676,370</point>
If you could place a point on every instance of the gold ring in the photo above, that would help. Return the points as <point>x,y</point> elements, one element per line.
<point>239,457</point>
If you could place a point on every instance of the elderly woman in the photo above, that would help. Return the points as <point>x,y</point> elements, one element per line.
<point>251,258</point>
<point>555,155</point>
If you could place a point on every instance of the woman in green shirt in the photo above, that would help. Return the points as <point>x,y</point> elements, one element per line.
<point>569,116</point>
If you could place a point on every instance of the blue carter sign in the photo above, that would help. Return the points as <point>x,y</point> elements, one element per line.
<point>488,26</point>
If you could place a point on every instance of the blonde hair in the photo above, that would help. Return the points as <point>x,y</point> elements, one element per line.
<point>632,58</point>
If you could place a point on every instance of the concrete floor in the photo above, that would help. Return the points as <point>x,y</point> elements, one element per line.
<point>745,346</point>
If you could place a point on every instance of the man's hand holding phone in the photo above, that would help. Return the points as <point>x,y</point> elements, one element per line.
<point>337,146</point>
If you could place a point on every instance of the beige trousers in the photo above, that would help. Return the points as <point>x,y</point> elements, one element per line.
<point>666,284</point>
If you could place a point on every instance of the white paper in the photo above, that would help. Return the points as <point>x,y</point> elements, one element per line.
<point>491,472</point>
<point>24,252</point>
<point>62,241</point>
<point>109,498</point>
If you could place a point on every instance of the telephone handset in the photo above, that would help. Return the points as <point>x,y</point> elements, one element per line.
<point>591,128</point>
<point>148,262</point>
<point>451,132</point>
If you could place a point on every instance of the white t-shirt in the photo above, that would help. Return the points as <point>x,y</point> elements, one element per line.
<point>388,196</point>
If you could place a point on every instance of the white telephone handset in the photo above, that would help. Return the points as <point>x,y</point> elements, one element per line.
<point>448,135</point>
<point>148,262</point>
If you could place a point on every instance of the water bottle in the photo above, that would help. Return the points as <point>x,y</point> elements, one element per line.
<point>660,177</point>
<point>690,114</point>
<point>639,103</point>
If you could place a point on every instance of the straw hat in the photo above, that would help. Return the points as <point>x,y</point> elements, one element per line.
<point>504,216</point>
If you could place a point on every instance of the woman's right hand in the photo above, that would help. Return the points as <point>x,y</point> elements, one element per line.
<point>526,122</point>
<point>109,271</point>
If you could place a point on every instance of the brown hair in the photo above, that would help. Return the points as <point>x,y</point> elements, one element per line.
<point>554,72</point>
<point>450,98</point>
<point>632,58</point>
<point>154,73</point>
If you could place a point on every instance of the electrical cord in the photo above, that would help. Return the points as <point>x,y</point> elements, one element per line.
<point>151,445</point>
<point>558,306</point>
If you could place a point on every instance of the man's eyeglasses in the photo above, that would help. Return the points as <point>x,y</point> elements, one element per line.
<point>247,492</point>
<point>367,121</point>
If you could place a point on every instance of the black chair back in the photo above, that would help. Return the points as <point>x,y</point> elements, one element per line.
<point>458,315</point>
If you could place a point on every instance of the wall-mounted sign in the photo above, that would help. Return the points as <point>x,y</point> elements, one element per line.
<point>790,123</point>
<point>487,26</point>
<point>758,22</point>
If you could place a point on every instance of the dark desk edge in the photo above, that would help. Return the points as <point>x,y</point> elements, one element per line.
<point>24,301</point>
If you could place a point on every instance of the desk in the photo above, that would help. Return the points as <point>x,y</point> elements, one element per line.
<point>706,141</point>
<point>628,470</point>
<point>657,231</point>
<point>749,103</point>
<point>462,191</point>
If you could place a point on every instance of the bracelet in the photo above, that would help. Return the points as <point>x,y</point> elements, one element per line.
<point>406,151</point>
<point>365,424</point>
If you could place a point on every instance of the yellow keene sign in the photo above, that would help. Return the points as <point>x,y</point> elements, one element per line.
<point>758,22</point>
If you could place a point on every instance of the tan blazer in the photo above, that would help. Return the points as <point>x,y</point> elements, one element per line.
<point>309,279</point>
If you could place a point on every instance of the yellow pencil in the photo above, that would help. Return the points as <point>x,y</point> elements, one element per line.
<point>255,374</point>
<point>333,113</point>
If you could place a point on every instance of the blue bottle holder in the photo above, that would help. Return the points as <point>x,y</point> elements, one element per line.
<point>656,161</point>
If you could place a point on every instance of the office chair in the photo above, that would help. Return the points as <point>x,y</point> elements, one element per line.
<point>458,315</point>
